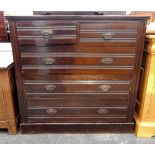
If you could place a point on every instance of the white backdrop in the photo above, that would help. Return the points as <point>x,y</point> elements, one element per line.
<point>27,6</point>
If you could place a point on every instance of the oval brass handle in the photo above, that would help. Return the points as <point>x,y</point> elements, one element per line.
<point>51,111</point>
<point>107,36</point>
<point>47,33</point>
<point>48,61</point>
<point>102,111</point>
<point>107,60</point>
<point>105,88</point>
<point>50,87</point>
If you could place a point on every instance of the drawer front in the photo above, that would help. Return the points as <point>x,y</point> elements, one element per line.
<point>73,102</point>
<point>109,33</point>
<point>78,87</point>
<point>78,59</point>
<point>76,111</point>
<point>61,49</point>
<point>56,32</point>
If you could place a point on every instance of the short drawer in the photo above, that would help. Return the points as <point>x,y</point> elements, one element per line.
<point>78,59</point>
<point>55,32</point>
<point>77,111</point>
<point>78,87</point>
<point>109,33</point>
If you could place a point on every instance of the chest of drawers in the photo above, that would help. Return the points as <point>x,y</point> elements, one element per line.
<point>77,73</point>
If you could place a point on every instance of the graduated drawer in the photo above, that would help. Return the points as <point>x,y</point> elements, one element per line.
<point>109,33</point>
<point>78,59</point>
<point>78,87</point>
<point>77,49</point>
<point>77,111</point>
<point>46,32</point>
<point>74,102</point>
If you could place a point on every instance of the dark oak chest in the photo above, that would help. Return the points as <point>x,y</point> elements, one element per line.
<point>77,73</point>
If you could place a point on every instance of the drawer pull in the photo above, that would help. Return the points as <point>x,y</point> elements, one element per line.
<point>51,111</point>
<point>107,36</point>
<point>107,60</point>
<point>47,33</point>
<point>102,111</point>
<point>50,87</point>
<point>105,88</point>
<point>48,61</point>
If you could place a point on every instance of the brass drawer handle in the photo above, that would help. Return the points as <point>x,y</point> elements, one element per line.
<point>51,111</point>
<point>105,88</point>
<point>47,33</point>
<point>107,36</point>
<point>50,87</point>
<point>107,60</point>
<point>48,61</point>
<point>102,111</point>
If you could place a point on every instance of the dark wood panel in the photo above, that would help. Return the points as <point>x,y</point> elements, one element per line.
<point>78,87</point>
<point>87,102</point>
<point>77,111</point>
<point>67,39</point>
<point>29,77</point>
<point>119,25</point>
<point>44,23</point>
<point>47,71</point>
<point>112,43</point>
<point>76,96</point>
<point>112,34</point>
<point>61,49</point>
<point>40,32</point>
<point>76,119</point>
<point>77,127</point>
<point>78,59</point>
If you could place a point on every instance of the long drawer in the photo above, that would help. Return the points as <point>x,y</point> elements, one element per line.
<point>76,114</point>
<point>78,59</point>
<point>78,87</point>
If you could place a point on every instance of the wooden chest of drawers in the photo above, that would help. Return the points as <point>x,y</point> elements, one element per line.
<point>77,73</point>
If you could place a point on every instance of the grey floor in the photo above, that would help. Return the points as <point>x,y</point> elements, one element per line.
<point>5,138</point>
